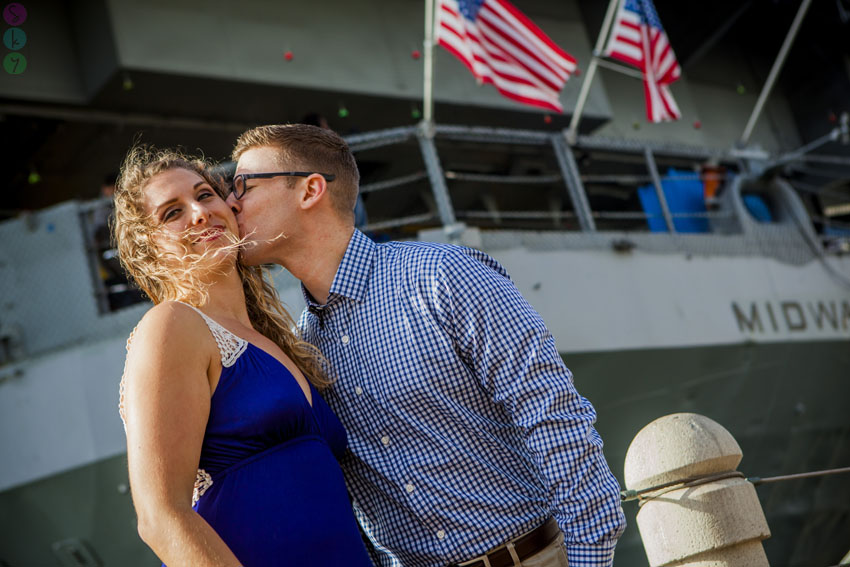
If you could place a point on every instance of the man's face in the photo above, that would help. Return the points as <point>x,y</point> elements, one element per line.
<point>267,212</point>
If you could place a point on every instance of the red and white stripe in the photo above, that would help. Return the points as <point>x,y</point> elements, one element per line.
<point>506,49</point>
<point>647,48</point>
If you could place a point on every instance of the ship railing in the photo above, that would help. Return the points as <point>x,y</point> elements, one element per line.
<point>93,215</point>
<point>532,181</point>
<point>575,180</point>
<point>110,287</point>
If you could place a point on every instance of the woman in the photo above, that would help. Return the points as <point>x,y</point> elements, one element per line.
<point>232,452</point>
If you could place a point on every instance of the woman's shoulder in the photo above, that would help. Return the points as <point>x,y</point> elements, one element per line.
<point>171,323</point>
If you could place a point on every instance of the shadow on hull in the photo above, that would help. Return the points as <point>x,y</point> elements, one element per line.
<point>786,404</point>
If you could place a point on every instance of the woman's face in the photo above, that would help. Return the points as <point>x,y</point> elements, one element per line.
<point>187,214</point>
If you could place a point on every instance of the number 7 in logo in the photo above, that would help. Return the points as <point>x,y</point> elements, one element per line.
<point>15,63</point>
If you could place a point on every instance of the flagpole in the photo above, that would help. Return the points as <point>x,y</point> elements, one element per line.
<point>428,79</point>
<point>591,71</point>
<point>774,72</point>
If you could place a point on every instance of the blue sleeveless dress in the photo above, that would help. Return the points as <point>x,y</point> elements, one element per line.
<point>269,481</point>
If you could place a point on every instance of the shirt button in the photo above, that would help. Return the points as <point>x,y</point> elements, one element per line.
<point>441,534</point>
<point>385,440</point>
<point>409,488</point>
<point>358,390</point>
<point>345,339</point>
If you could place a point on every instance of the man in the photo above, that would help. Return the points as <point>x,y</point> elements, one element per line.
<point>466,434</point>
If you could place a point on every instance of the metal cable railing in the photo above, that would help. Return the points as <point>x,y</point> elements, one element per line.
<point>505,179</point>
<point>651,492</point>
<point>402,221</point>
<point>394,182</point>
<point>585,200</point>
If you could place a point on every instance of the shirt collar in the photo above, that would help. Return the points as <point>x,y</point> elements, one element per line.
<point>353,273</point>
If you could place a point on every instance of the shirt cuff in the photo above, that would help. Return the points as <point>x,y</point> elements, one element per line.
<point>597,555</point>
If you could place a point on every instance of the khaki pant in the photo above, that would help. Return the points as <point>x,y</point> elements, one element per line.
<point>553,555</point>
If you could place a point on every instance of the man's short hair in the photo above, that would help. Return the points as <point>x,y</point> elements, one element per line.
<point>302,147</point>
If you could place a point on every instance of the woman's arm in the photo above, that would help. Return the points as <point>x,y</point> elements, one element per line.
<point>167,403</point>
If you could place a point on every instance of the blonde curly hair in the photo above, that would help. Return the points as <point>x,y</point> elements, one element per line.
<point>168,276</point>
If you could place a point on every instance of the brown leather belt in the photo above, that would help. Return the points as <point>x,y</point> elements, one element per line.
<point>525,546</point>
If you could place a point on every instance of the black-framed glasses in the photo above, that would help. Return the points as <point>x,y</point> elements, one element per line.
<point>240,182</point>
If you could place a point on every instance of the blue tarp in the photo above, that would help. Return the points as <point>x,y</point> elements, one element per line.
<point>682,195</point>
<point>757,208</point>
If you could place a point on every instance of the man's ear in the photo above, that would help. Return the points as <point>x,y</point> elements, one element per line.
<point>315,191</point>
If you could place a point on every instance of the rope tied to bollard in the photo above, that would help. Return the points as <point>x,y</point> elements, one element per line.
<point>646,494</point>
<point>758,480</point>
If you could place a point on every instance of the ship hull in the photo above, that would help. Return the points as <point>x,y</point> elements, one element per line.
<point>785,403</point>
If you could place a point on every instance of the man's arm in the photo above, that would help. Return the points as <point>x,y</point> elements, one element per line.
<point>505,343</point>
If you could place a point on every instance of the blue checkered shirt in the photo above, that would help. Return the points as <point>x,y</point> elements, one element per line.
<point>464,427</point>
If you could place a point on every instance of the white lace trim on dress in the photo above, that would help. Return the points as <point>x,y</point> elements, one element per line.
<point>230,346</point>
<point>202,482</point>
<point>121,384</point>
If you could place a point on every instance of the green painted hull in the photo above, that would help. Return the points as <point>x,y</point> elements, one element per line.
<point>90,503</point>
<point>786,404</point>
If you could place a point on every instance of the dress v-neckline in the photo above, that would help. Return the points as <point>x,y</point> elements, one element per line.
<point>309,400</point>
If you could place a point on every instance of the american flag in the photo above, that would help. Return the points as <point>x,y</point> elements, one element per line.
<point>501,46</point>
<point>638,39</point>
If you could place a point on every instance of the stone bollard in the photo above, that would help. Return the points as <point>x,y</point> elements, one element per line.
<point>716,524</point>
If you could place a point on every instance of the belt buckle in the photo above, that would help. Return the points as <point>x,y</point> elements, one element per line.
<point>483,560</point>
